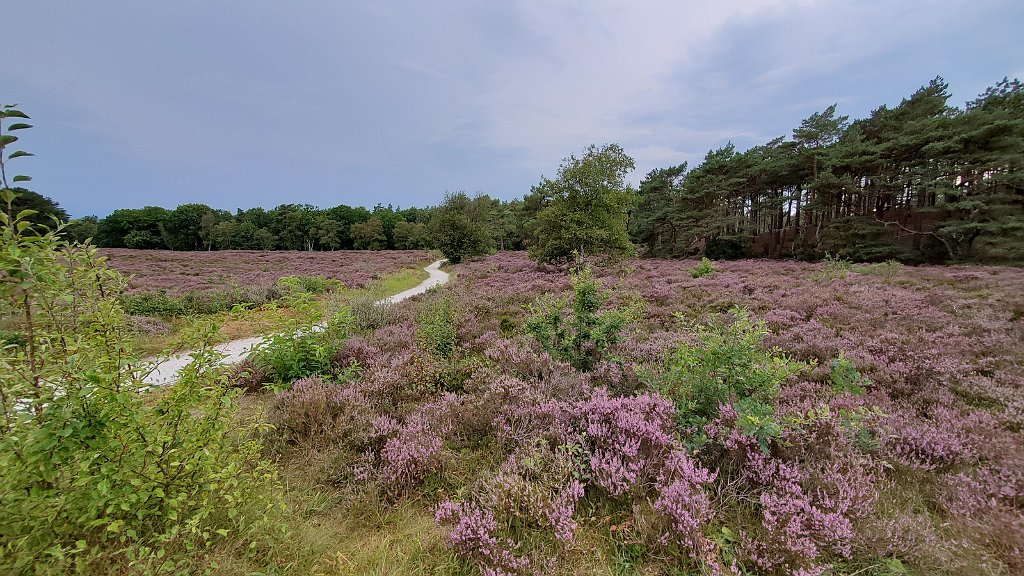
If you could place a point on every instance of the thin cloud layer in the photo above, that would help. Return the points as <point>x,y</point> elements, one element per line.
<point>249,103</point>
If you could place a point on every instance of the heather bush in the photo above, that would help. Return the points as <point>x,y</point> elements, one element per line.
<point>684,507</point>
<point>148,325</point>
<point>248,376</point>
<point>626,439</point>
<point>799,530</point>
<point>369,313</point>
<point>318,412</point>
<point>413,449</point>
<point>537,488</point>
<point>473,535</point>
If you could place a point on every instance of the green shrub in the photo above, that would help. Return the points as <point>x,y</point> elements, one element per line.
<point>12,338</point>
<point>583,337</point>
<point>160,303</point>
<point>507,326</point>
<point>844,377</point>
<point>93,472</point>
<point>308,284</point>
<point>303,349</point>
<point>152,304</point>
<point>705,268</point>
<point>436,331</point>
<point>727,365</point>
<point>832,268</point>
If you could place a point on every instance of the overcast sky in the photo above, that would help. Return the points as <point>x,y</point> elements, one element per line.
<point>257,103</point>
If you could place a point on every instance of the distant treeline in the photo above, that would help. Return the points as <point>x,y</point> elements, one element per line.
<point>287,227</point>
<point>920,182</point>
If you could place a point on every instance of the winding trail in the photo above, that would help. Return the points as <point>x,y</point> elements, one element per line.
<point>165,371</point>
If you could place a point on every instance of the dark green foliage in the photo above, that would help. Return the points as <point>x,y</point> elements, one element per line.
<point>130,228</point>
<point>507,326</point>
<point>81,229</point>
<point>369,235</point>
<point>919,182</point>
<point>46,211</point>
<point>12,338</point>
<point>584,336</point>
<point>653,223</point>
<point>845,378</point>
<point>727,248</point>
<point>585,209</point>
<point>459,227</point>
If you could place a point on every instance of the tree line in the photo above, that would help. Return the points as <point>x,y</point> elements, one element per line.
<point>922,181</point>
<point>919,182</point>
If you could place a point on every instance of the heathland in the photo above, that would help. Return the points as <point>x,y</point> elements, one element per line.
<point>570,409</point>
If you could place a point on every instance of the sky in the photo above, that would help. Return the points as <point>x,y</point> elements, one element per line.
<point>244,103</point>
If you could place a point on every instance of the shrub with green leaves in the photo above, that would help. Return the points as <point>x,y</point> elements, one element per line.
<point>705,268</point>
<point>303,349</point>
<point>436,331</point>
<point>583,336</point>
<point>726,365</point>
<point>93,472</point>
<point>844,377</point>
<point>832,268</point>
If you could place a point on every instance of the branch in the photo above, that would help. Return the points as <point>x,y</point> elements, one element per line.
<point>945,243</point>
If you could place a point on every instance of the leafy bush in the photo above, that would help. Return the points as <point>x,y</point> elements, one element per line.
<point>705,268</point>
<point>12,338</point>
<point>308,284</point>
<point>585,337</point>
<point>303,349</point>
<point>845,378</point>
<point>92,472</point>
<point>832,268</point>
<point>162,303</point>
<point>436,331</point>
<point>727,365</point>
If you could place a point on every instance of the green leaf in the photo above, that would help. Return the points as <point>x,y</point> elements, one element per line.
<point>25,214</point>
<point>21,178</point>
<point>7,139</point>
<point>19,154</point>
<point>19,126</point>
<point>12,113</point>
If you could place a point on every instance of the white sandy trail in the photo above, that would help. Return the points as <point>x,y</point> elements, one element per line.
<point>165,371</point>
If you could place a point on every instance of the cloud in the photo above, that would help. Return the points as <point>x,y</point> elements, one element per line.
<point>262,102</point>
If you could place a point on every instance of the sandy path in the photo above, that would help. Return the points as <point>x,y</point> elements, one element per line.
<point>165,371</point>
